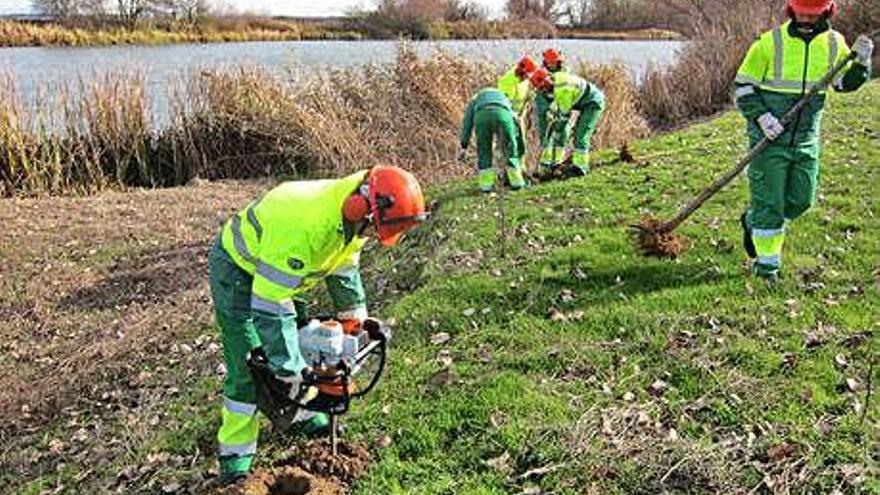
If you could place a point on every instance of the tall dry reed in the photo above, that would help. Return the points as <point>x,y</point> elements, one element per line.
<point>246,122</point>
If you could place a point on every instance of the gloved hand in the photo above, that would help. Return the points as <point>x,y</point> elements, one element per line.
<point>863,48</point>
<point>462,155</point>
<point>294,382</point>
<point>554,108</point>
<point>770,126</point>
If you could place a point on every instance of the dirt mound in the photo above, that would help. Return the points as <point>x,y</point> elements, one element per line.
<point>315,457</point>
<point>652,240</point>
<point>308,469</point>
<point>286,480</point>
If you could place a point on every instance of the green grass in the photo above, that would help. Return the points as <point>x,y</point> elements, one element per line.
<point>702,324</point>
<point>576,397</point>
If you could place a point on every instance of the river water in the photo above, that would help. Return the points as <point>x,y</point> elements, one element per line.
<point>35,68</point>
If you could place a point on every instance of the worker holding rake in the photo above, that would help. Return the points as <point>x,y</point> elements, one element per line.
<point>568,93</point>
<point>778,70</point>
<point>490,113</point>
<point>266,258</point>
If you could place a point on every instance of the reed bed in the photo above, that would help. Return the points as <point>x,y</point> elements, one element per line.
<point>246,122</point>
<point>13,33</point>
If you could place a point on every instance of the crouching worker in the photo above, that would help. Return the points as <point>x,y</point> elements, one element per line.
<point>568,93</point>
<point>490,113</point>
<point>268,256</point>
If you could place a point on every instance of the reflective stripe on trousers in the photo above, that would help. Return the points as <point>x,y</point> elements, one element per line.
<point>580,158</point>
<point>486,179</point>
<point>552,155</point>
<point>238,433</point>
<point>768,245</point>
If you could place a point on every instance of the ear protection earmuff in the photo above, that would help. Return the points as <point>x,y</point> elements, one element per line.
<point>357,207</point>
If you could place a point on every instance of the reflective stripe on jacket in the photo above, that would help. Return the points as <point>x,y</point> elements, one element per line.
<point>291,238</point>
<point>568,89</point>
<point>514,89</point>
<point>783,63</point>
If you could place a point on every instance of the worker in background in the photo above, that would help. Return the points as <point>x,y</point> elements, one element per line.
<point>778,70</point>
<point>488,114</point>
<point>515,86</point>
<point>553,61</point>
<point>569,93</point>
<point>266,258</point>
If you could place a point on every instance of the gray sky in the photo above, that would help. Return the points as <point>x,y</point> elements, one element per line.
<point>274,7</point>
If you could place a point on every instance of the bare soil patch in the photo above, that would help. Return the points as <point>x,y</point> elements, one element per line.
<point>105,316</point>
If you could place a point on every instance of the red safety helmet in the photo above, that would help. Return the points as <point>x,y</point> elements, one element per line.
<point>552,58</point>
<point>541,80</point>
<point>392,198</point>
<point>524,67</point>
<point>812,7</point>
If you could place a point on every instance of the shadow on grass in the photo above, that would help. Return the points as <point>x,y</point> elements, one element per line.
<point>601,285</point>
<point>146,278</point>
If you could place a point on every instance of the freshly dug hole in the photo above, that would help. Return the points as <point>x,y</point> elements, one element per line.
<point>286,480</point>
<point>652,241</point>
<point>291,484</point>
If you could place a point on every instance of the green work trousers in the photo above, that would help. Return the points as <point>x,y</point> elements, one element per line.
<point>590,108</point>
<point>542,106</point>
<point>782,183</point>
<point>491,121</point>
<point>231,292</point>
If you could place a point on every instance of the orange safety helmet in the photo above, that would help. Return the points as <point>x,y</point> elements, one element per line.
<point>392,198</point>
<point>525,66</point>
<point>552,58</point>
<point>812,7</point>
<point>541,80</point>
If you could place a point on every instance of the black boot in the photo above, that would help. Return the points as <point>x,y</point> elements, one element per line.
<point>748,243</point>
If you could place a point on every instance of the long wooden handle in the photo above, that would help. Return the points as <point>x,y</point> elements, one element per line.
<point>725,179</point>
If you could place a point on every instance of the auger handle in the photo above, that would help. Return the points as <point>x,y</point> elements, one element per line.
<point>725,179</point>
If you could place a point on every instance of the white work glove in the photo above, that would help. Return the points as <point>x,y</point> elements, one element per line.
<point>770,126</point>
<point>863,48</point>
<point>294,381</point>
<point>554,108</point>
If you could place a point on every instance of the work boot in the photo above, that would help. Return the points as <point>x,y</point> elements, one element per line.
<point>234,469</point>
<point>769,273</point>
<point>748,243</point>
<point>524,185</point>
<point>572,171</point>
<point>548,172</point>
<point>312,424</point>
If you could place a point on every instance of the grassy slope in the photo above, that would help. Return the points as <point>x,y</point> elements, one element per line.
<point>717,336</point>
<point>527,392</point>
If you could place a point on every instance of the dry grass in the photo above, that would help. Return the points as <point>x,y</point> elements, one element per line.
<point>97,135</point>
<point>13,33</point>
<point>700,82</point>
<point>246,122</point>
<point>621,122</point>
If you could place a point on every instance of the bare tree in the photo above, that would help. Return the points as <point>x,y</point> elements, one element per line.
<point>96,11</point>
<point>464,10</point>
<point>576,12</point>
<point>131,11</point>
<point>423,9</point>
<point>525,9</point>
<point>191,11</point>
<point>62,11</point>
